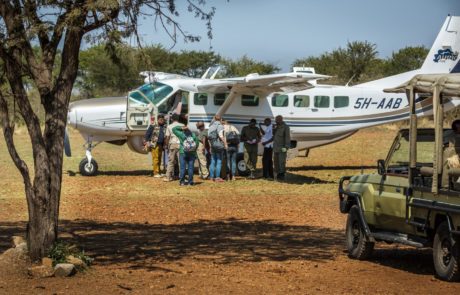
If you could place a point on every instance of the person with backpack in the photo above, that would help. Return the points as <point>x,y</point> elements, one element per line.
<point>232,137</point>
<point>187,152</point>
<point>250,135</point>
<point>218,145</point>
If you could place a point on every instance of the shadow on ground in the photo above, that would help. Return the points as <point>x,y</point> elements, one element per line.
<point>321,167</point>
<point>223,241</point>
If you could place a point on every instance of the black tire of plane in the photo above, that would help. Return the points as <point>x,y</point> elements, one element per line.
<point>88,170</point>
<point>241,165</point>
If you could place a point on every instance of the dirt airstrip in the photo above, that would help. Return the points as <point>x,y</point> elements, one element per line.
<point>151,237</point>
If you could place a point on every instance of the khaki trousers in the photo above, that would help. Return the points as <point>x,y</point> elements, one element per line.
<point>156,159</point>
<point>204,172</point>
<point>250,156</point>
<point>172,160</point>
<point>279,160</point>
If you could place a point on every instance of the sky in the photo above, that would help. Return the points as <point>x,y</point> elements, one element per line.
<point>278,32</point>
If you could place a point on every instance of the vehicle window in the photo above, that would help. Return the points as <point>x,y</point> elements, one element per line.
<point>280,100</point>
<point>200,99</point>
<point>425,148</point>
<point>321,101</point>
<point>302,101</point>
<point>249,100</point>
<point>341,101</point>
<point>136,98</point>
<point>219,98</point>
<point>155,92</point>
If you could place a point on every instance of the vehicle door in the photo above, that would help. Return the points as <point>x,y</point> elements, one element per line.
<point>390,192</point>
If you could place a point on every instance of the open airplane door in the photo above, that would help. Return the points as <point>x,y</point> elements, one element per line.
<point>139,110</point>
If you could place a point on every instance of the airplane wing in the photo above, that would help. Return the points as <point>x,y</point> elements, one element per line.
<point>261,85</point>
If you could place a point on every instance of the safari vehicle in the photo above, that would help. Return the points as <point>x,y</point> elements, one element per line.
<point>414,198</point>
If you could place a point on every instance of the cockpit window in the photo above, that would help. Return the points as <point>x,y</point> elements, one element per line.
<point>153,92</point>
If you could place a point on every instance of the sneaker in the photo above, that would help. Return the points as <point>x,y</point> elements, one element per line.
<point>182,183</point>
<point>167,179</point>
<point>219,180</point>
<point>252,176</point>
<point>191,183</point>
<point>157,176</point>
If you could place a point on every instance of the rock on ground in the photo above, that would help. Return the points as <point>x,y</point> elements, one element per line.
<point>64,270</point>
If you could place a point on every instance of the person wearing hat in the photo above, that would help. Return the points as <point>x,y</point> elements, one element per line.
<point>203,148</point>
<point>451,151</point>
<point>250,135</point>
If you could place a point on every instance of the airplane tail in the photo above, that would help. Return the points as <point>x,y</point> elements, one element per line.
<point>444,54</point>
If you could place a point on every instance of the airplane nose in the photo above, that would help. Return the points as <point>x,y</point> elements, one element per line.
<point>72,117</point>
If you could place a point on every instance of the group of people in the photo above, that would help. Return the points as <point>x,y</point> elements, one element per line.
<point>177,147</point>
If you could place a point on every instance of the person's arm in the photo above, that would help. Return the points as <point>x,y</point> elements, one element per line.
<point>223,137</point>
<point>259,136</point>
<point>148,134</point>
<point>243,134</point>
<point>177,131</point>
<point>287,137</point>
<point>261,129</point>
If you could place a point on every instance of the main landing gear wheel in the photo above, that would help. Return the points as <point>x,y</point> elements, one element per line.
<point>88,169</point>
<point>241,165</point>
<point>446,254</point>
<point>357,245</point>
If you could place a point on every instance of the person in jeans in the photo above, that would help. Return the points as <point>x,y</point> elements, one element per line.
<point>232,137</point>
<point>217,142</point>
<point>267,141</point>
<point>187,153</point>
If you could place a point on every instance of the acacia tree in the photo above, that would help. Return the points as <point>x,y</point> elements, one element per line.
<point>52,26</point>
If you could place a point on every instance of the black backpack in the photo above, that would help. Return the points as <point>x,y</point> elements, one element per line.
<point>233,138</point>
<point>214,140</point>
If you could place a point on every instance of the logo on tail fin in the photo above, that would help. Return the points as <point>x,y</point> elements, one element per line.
<point>445,54</point>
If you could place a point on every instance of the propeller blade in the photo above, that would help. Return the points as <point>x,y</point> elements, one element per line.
<point>67,149</point>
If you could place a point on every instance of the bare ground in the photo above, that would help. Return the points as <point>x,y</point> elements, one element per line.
<point>151,237</point>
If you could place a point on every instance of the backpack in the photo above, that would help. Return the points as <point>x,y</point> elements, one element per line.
<point>189,144</point>
<point>214,140</point>
<point>232,138</point>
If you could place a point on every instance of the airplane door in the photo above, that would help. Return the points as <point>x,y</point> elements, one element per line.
<point>139,110</point>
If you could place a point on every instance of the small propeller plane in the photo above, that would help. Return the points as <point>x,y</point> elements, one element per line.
<point>317,114</point>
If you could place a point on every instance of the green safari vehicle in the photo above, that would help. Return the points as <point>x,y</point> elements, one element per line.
<point>414,198</point>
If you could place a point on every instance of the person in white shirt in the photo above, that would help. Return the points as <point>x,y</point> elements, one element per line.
<point>267,141</point>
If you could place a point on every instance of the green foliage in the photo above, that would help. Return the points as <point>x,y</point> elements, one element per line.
<point>358,63</point>
<point>245,66</point>
<point>62,250</point>
<point>406,59</point>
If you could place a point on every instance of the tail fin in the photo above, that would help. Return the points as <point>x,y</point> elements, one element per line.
<point>444,54</point>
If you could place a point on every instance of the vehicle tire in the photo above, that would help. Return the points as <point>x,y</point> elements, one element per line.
<point>446,252</point>
<point>88,169</point>
<point>241,165</point>
<point>357,245</point>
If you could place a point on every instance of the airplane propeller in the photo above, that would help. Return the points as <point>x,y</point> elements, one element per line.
<point>67,149</point>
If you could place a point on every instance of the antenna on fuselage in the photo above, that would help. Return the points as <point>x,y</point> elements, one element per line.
<point>349,81</point>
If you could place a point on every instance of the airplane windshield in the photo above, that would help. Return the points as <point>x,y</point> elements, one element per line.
<point>154,93</point>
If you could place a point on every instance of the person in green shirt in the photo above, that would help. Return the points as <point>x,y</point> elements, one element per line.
<point>187,152</point>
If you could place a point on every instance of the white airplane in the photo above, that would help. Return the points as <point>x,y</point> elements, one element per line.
<point>317,114</point>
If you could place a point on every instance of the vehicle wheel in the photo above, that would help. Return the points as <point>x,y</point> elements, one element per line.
<point>88,169</point>
<point>357,245</point>
<point>446,254</point>
<point>241,165</point>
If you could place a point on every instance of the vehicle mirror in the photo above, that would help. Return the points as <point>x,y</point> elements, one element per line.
<point>381,167</point>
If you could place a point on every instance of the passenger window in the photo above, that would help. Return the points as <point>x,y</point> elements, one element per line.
<point>280,100</point>
<point>219,98</point>
<point>249,100</point>
<point>200,99</point>
<point>341,101</point>
<point>321,101</point>
<point>301,101</point>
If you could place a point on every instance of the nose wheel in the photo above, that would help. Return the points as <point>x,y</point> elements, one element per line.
<point>88,168</point>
